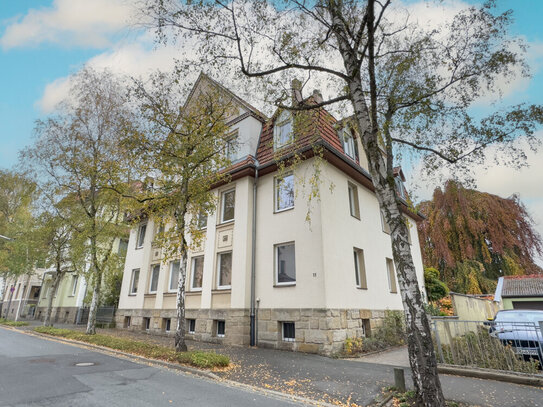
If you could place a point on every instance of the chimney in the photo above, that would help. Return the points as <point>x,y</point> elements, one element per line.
<point>317,96</point>
<point>296,88</point>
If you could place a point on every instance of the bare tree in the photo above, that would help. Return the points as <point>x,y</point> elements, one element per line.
<point>405,86</point>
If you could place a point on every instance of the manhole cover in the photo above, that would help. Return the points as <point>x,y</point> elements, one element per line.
<point>83,364</point>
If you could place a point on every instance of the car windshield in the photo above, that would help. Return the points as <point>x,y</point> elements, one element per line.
<point>519,316</point>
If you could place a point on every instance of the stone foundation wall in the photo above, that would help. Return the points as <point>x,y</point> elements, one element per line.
<point>320,331</point>
<point>63,315</point>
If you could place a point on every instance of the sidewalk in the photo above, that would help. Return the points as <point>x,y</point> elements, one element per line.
<point>335,381</point>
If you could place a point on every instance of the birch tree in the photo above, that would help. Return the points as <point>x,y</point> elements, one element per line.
<point>78,156</point>
<point>181,146</point>
<point>406,87</point>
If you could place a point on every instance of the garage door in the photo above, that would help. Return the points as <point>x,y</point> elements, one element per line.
<point>528,305</point>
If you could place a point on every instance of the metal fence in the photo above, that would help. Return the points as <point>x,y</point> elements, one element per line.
<point>104,315</point>
<point>512,346</point>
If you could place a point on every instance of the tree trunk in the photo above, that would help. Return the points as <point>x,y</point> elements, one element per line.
<point>419,339</point>
<point>91,324</point>
<point>56,282</point>
<point>180,345</point>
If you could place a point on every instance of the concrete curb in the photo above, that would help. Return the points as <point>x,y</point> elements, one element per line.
<point>515,378</point>
<point>186,369</point>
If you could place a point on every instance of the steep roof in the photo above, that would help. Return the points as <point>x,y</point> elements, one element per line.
<point>522,286</point>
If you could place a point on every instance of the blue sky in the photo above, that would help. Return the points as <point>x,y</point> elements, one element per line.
<point>43,41</point>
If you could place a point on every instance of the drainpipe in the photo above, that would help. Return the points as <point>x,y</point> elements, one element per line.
<point>253,265</point>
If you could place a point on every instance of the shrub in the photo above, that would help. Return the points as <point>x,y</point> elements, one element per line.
<point>390,333</point>
<point>200,359</point>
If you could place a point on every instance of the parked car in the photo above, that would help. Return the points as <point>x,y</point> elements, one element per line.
<point>520,329</point>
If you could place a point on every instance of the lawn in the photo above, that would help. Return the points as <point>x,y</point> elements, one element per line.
<point>7,322</point>
<point>199,359</point>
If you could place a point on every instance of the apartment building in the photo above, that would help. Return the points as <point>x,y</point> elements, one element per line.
<point>21,295</point>
<point>279,267</point>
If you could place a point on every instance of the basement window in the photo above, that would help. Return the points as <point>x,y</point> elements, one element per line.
<point>146,324</point>
<point>192,326</point>
<point>221,328</point>
<point>167,324</point>
<point>127,321</point>
<point>289,332</point>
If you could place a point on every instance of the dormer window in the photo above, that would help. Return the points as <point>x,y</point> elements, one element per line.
<point>282,131</point>
<point>400,188</point>
<point>349,143</point>
<point>232,147</point>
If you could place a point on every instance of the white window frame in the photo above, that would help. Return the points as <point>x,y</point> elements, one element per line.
<point>348,141</point>
<point>361,280</point>
<point>219,257</point>
<point>223,203</point>
<point>385,226</point>
<point>282,120</point>
<point>75,279</point>
<point>134,289</point>
<point>276,261</point>
<point>283,332</point>
<point>170,289</point>
<point>138,245</point>
<point>354,201</point>
<point>232,146</point>
<point>277,185</point>
<point>202,215</point>
<point>192,273</point>
<point>153,266</point>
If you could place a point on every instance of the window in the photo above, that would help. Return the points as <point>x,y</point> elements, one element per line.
<point>284,192</point>
<point>353,200</point>
<point>384,224</point>
<point>282,131</point>
<point>141,235</point>
<point>153,280</point>
<point>232,147</point>
<point>197,272</point>
<point>134,281</point>
<point>224,270</point>
<point>74,284</point>
<point>400,188</point>
<point>123,247</point>
<point>285,264</point>
<point>202,220</point>
<point>359,268</point>
<point>174,275</point>
<point>289,332</point>
<point>127,322</point>
<point>167,324</point>
<point>227,205</point>
<point>192,326</point>
<point>391,276</point>
<point>221,327</point>
<point>146,323</point>
<point>349,143</point>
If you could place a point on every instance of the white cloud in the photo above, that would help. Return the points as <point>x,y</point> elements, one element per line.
<point>86,23</point>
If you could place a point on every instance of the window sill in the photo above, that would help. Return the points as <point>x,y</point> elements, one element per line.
<point>193,293</point>
<point>221,291</point>
<point>226,222</point>
<point>138,248</point>
<point>132,294</point>
<point>361,288</point>
<point>278,285</point>
<point>149,295</point>
<point>356,217</point>
<point>283,210</point>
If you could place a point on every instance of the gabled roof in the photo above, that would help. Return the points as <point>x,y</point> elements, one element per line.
<point>250,108</point>
<point>521,286</point>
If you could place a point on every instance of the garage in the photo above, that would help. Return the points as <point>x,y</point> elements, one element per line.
<point>537,305</point>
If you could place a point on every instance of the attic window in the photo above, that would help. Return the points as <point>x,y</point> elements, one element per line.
<point>282,131</point>
<point>400,188</point>
<point>349,143</point>
<point>232,146</point>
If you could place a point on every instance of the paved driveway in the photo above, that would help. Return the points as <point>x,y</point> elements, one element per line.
<point>40,372</point>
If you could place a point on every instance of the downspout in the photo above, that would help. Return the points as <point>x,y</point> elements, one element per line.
<point>253,264</point>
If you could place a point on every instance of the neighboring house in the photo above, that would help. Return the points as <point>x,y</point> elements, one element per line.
<point>470,307</point>
<point>520,292</point>
<point>21,295</point>
<point>315,283</point>
<point>69,298</point>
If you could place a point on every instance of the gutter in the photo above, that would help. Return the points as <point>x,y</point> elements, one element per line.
<point>253,265</point>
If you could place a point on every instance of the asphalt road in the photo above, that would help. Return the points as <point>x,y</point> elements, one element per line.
<point>40,372</point>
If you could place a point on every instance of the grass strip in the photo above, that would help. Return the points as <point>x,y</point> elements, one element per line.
<point>200,359</point>
<point>7,322</point>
